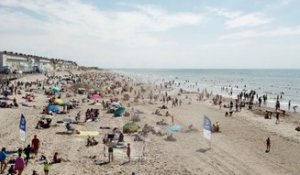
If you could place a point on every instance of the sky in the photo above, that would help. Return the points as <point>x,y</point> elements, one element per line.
<point>156,33</point>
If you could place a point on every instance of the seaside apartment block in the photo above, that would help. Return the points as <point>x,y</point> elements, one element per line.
<point>32,63</point>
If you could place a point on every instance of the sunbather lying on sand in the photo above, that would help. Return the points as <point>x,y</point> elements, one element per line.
<point>162,122</point>
<point>157,112</point>
<point>43,124</point>
<point>91,141</point>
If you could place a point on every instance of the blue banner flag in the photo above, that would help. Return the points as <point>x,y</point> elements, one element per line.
<point>22,127</point>
<point>207,128</point>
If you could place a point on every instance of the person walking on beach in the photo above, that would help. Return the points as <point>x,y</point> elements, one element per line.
<point>35,145</point>
<point>19,164</point>
<point>289,104</point>
<point>3,156</point>
<point>268,144</point>
<point>27,152</point>
<point>277,118</point>
<point>277,106</point>
<point>128,152</point>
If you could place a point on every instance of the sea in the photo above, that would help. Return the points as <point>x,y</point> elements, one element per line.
<point>284,83</point>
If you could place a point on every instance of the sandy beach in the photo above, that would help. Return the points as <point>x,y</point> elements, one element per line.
<point>239,147</point>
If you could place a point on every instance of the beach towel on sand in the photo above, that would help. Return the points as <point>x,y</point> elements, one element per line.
<point>88,133</point>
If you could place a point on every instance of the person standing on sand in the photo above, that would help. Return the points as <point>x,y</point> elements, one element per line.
<point>3,156</point>
<point>46,167</point>
<point>128,152</point>
<point>35,145</point>
<point>268,143</point>
<point>19,164</point>
<point>289,104</point>
<point>110,152</point>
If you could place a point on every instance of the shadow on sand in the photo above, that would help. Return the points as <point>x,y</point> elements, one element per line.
<point>202,150</point>
<point>101,163</point>
<point>63,133</point>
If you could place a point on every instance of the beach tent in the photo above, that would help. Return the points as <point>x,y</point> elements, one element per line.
<point>119,112</point>
<point>53,108</point>
<point>130,128</point>
<point>174,128</point>
<point>58,101</point>
<point>55,89</point>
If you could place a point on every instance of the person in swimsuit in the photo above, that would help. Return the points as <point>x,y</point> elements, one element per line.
<point>46,167</point>
<point>110,153</point>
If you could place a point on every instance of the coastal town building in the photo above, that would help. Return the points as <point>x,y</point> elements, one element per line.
<point>27,63</point>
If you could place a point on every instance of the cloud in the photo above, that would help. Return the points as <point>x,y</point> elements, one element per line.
<point>75,19</point>
<point>279,32</point>
<point>285,2</point>
<point>225,12</point>
<point>238,19</point>
<point>248,20</point>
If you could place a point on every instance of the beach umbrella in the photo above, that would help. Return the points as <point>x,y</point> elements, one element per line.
<point>55,89</point>
<point>53,108</point>
<point>119,112</point>
<point>58,101</point>
<point>174,128</point>
<point>95,96</point>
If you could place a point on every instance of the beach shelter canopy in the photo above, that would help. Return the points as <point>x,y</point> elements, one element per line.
<point>174,128</point>
<point>119,112</point>
<point>55,89</point>
<point>130,128</point>
<point>53,108</point>
<point>115,105</point>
